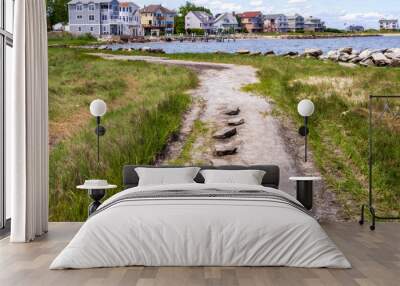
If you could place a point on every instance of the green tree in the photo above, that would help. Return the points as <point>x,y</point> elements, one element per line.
<point>57,11</point>
<point>183,11</point>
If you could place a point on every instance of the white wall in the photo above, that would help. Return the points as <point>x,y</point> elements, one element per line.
<point>9,24</point>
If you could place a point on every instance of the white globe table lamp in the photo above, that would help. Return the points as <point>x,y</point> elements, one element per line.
<point>98,108</point>
<point>306,109</point>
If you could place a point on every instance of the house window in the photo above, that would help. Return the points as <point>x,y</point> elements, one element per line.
<point>79,29</point>
<point>78,16</point>
<point>104,17</point>
<point>91,29</point>
<point>104,28</point>
<point>79,7</point>
<point>91,7</point>
<point>104,6</point>
<point>130,9</point>
<point>91,17</point>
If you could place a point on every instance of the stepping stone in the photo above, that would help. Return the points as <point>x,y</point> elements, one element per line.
<point>232,111</point>
<point>223,150</point>
<point>225,133</point>
<point>235,121</point>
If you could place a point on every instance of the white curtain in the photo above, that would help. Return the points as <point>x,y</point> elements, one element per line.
<point>27,124</point>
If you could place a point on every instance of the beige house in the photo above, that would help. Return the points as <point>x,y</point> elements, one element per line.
<point>157,20</point>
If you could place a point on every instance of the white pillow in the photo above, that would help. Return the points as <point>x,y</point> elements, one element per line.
<point>248,177</point>
<point>166,176</point>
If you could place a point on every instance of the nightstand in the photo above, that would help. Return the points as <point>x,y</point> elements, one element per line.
<point>304,190</point>
<point>96,191</point>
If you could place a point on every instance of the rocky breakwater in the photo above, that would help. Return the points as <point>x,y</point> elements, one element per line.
<point>378,58</point>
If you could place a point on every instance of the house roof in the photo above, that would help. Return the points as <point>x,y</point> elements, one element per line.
<point>155,8</point>
<point>203,16</point>
<point>250,14</point>
<point>229,16</point>
<point>273,16</point>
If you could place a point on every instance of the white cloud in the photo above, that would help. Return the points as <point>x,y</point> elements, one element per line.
<point>296,1</point>
<point>256,3</point>
<point>361,16</point>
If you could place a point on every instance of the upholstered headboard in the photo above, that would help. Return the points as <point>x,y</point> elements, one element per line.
<point>271,177</point>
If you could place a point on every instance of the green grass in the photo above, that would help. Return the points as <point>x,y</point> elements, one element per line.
<point>339,132</point>
<point>145,101</point>
<point>200,129</point>
<point>65,38</point>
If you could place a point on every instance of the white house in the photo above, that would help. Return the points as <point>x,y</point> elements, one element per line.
<point>389,24</point>
<point>277,23</point>
<point>199,20</point>
<point>226,22</point>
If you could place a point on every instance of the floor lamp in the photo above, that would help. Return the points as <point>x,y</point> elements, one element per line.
<point>305,109</point>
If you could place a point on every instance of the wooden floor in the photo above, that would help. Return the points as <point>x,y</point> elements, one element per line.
<point>375,257</point>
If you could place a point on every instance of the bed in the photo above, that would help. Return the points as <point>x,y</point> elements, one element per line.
<point>201,224</point>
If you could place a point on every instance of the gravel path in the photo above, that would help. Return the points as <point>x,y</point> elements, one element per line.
<point>262,139</point>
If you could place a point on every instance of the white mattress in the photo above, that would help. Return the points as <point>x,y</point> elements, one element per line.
<point>200,232</point>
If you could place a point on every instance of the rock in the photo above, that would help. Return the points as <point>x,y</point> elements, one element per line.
<point>223,150</point>
<point>235,121</point>
<point>243,52</point>
<point>343,57</point>
<point>290,54</point>
<point>365,54</point>
<point>333,55</point>
<point>348,65</point>
<point>225,133</point>
<point>355,60</point>
<point>255,53</point>
<point>145,49</point>
<point>232,111</point>
<point>393,54</point>
<point>395,63</point>
<point>367,62</point>
<point>313,52</point>
<point>346,50</point>
<point>219,52</point>
<point>381,60</point>
<point>103,47</point>
<point>269,53</point>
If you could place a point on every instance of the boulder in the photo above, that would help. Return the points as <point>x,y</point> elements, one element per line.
<point>224,150</point>
<point>235,121</point>
<point>343,57</point>
<point>290,54</point>
<point>255,53</point>
<point>145,49</point>
<point>225,133</point>
<point>395,63</point>
<point>346,50</point>
<point>365,54</point>
<point>355,60</point>
<point>313,52</point>
<point>232,110</point>
<point>355,52</point>
<point>243,52</point>
<point>380,59</point>
<point>367,62</point>
<point>347,65</point>
<point>333,55</point>
<point>393,54</point>
<point>352,56</point>
<point>269,53</point>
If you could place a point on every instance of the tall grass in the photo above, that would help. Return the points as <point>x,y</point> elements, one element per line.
<point>145,102</point>
<point>339,127</point>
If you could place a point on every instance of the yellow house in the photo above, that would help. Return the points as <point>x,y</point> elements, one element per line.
<point>156,20</point>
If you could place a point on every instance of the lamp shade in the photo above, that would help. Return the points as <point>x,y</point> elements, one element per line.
<point>305,107</point>
<point>98,107</point>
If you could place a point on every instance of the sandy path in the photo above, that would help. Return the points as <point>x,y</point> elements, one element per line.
<point>260,140</point>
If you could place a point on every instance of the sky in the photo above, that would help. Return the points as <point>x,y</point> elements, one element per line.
<point>335,13</point>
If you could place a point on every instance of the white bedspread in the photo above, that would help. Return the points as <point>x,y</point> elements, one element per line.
<point>200,231</point>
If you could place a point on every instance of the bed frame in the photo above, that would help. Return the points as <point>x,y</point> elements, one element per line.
<point>270,179</point>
